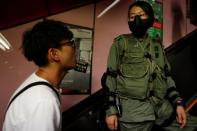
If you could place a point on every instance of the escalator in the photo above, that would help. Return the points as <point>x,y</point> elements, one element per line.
<point>87,115</point>
<point>182,57</point>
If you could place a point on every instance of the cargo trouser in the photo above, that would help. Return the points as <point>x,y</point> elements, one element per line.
<point>139,126</point>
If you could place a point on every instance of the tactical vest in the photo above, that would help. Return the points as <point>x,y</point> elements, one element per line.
<point>141,68</point>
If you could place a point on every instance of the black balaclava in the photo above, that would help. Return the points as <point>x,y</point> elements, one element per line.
<point>140,26</point>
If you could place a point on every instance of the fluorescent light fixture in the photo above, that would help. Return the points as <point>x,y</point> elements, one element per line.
<point>4,44</point>
<point>108,8</point>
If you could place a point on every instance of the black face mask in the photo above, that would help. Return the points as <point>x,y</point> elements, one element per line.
<point>139,27</point>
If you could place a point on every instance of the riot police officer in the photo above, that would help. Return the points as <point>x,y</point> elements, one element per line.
<point>139,79</point>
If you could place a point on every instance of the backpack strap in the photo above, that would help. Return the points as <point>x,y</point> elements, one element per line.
<point>30,85</point>
<point>125,39</point>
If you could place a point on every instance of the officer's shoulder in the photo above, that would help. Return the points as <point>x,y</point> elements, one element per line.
<point>158,43</point>
<point>122,36</point>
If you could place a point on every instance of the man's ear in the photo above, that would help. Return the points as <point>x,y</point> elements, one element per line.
<point>53,54</point>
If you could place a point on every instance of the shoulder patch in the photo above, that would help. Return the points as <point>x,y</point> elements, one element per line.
<point>157,41</point>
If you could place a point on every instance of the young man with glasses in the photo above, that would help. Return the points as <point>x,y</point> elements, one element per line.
<point>35,105</point>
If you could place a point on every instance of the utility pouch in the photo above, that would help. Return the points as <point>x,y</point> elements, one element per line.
<point>160,85</point>
<point>118,105</point>
<point>114,100</point>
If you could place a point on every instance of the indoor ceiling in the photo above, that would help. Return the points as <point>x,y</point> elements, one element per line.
<point>16,12</point>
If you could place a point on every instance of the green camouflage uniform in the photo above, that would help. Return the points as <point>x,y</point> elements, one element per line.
<point>142,96</point>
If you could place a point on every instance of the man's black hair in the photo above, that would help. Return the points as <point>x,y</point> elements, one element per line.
<point>43,36</point>
<point>147,8</point>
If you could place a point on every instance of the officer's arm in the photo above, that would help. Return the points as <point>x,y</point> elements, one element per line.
<point>112,65</point>
<point>172,93</point>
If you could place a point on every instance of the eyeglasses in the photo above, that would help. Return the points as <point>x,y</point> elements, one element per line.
<point>69,43</point>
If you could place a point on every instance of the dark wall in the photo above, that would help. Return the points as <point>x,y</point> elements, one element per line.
<point>193,11</point>
<point>182,57</point>
<point>15,12</point>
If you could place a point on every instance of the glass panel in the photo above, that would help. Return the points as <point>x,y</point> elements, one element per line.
<point>78,81</point>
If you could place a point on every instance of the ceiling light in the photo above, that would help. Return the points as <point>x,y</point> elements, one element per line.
<point>108,8</point>
<point>4,44</point>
